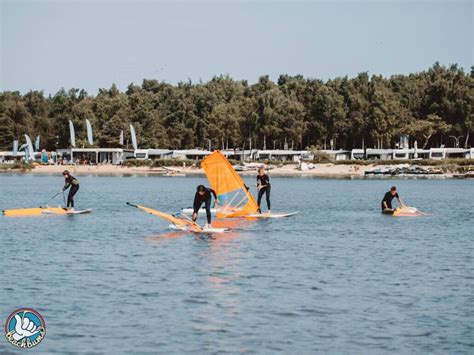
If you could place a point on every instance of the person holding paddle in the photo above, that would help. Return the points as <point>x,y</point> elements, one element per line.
<point>72,183</point>
<point>203,195</point>
<point>264,187</point>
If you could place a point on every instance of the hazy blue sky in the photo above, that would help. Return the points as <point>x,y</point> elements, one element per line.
<point>92,44</point>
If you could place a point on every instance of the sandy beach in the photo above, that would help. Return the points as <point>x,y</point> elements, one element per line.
<point>320,170</point>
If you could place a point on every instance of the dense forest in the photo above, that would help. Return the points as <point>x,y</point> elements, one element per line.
<point>364,111</point>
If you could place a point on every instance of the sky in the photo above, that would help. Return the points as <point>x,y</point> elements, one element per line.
<point>50,44</point>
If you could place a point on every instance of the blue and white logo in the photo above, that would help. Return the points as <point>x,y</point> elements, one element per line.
<point>25,328</point>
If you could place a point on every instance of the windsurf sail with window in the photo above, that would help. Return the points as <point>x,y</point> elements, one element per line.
<point>31,153</point>
<point>234,198</point>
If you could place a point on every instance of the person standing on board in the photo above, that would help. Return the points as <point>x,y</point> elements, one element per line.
<point>203,195</point>
<point>70,182</point>
<point>387,201</point>
<point>264,187</point>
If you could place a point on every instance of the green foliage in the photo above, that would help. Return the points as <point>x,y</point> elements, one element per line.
<point>137,163</point>
<point>321,158</point>
<point>16,166</point>
<point>226,113</point>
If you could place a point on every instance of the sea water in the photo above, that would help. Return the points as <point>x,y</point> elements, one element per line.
<point>338,277</point>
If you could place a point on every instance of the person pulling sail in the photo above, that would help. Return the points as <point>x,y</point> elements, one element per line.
<point>203,195</point>
<point>264,187</point>
<point>387,201</point>
<point>72,183</point>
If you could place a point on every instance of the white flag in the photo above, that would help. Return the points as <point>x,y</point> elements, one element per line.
<point>31,153</point>
<point>15,148</point>
<point>89,132</point>
<point>134,137</point>
<point>73,134</point>
<point>37,143</point>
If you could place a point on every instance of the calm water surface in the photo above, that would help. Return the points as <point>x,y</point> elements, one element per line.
<point>339,277</point>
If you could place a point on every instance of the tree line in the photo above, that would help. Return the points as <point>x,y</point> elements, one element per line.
<point>433,107</point>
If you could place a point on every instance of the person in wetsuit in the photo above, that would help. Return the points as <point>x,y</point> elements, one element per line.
<point>203,195</point>
<point>72,183</point>
<point>264,187</point>
<point>387,201</point>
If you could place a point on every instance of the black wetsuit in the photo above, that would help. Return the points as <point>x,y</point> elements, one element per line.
<point>72,182</point>
<point>264,180</point>
<point>206,199</point>
<point>388,200</point>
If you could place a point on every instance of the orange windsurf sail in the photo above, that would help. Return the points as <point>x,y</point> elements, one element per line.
<point>180,222</point>
<point>232,194</point>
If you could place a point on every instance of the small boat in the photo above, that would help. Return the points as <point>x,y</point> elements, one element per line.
<point>240,168</point>
<point>172,174</point>
<point>379,171</point>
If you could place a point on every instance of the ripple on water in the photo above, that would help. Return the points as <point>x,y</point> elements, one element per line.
<point>336,278</point>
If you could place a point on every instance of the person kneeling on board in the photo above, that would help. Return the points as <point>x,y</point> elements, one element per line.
<point>204,195</point>
<point>264,187</point>
<point>387,201</point>
<point>70,182</point>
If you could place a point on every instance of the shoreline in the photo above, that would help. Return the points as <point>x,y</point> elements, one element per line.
<point>331,171</point>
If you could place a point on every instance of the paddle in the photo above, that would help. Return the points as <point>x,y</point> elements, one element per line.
<point>45,204</point>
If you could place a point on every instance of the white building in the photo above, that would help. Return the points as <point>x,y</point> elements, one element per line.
<point>191,154</point>
<point>143,154</point>
<point>94,156</point>
<point>279,155</point>
<point>378,154</point>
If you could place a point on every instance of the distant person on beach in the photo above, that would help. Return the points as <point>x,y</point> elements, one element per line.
<point>203,195</point>
<point>72,183</point>
<point>264,187</point>
<point>387,201</point>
